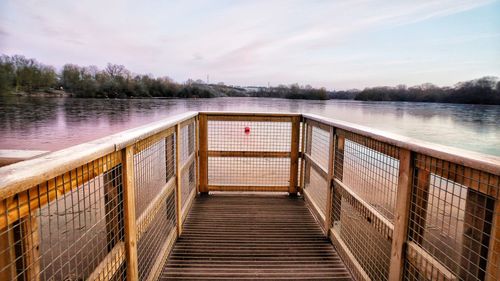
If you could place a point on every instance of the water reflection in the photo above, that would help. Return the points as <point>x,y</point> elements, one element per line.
<point>55,123</point>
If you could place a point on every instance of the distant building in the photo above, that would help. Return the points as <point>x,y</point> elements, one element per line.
<point>254,88</point>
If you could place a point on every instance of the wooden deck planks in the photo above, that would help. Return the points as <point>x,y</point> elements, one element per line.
<point>249,237</point>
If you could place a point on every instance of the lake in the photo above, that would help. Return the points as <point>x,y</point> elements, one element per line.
<point>56,123</point>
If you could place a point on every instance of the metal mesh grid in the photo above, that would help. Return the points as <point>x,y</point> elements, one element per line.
<point>320,147</point>
<point>150,246</point>
<point>451,220</point>
<point>188,183</point>
<point>154,165</point>
<point>248,171</point>
<point>187,141</point>
<point>64,228</point>
<point>261,136</point>
<point>369,173</point>
<point>317,188</point>
<point>370,248</point>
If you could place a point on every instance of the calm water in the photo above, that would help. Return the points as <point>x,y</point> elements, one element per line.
<point>55,123</point>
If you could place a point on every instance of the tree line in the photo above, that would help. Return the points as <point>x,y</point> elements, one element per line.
<point>21,74</point>
<point>485,90</point>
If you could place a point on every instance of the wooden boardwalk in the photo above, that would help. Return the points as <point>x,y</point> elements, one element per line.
<point>248,237</point>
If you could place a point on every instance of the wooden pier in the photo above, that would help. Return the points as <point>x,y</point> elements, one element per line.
<point>251,237</point>
<point>231,195</point>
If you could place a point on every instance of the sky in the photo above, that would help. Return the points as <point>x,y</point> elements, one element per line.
<point>333,44</point>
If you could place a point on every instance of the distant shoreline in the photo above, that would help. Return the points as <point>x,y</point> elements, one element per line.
<point>64,94</point>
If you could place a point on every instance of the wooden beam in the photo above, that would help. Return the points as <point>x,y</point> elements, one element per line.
<point>322,126</point>
<point>203,143</point>
<point>431,268</point>
<point>347,257</point>
<point>252,154</point>
<point>474,179</point>
<point>372,144</point>
<point>178,176</point>
<point>110,265</point>
<point>315,210</point>
<point>162,257</point>
<point>248,188</point>
<point>148,215</point>
<point>189,161</point>
<point>371,215</point>
<point>187,205</point>
<point>187,122</point>
<point>250,118</point>
<point>129,214</point>
<point>401,214</point>
<point>19,206</point>
<point>147,142</point>
<point>294,156</point>
<point>318,168</point>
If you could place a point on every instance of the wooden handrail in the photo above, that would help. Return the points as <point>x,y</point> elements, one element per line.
<point>475,160</point>
<point>21,176</point>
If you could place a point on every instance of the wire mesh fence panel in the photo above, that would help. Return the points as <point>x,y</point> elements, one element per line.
<point>154,165</point>
<point>249,153</point>
<point>369,247</point>
<point>152,242</point>
<point>320,147</point>
<point>370,173</point>
<point>316,182</point>
<point>248,171</point>
<point>249,136</point>
<point>187,141</point>
<point>451,221</point>
<point>66,228</point>
<point>188,182</point>
<point>317,188</point>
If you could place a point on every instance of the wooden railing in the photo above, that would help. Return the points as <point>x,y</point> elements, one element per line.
<point>109,209</point>
<point>396,208</point>
<point>393,207</point>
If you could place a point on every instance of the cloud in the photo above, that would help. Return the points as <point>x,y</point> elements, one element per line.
<point>240,40</point>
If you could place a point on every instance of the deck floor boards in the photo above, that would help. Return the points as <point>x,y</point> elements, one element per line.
<point>249,237</point>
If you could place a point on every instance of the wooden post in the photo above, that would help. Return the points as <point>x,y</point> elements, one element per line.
<point>307,150</point>
<point>476,235</point>
<point>493,268</point>
<point>203,131</point>
<point>7,254</point>
<point>169,156</point>
<point>113,196</point>
<point>329,197</point>
<point>401,214</point>
<point>178,175</point>
<point>129,214</point>
<point>196,153</point>
<point>31,247</point>
<point>294,155</point>
<point>338,172</point>
<point>419,205</point>
<point>303,160</point>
